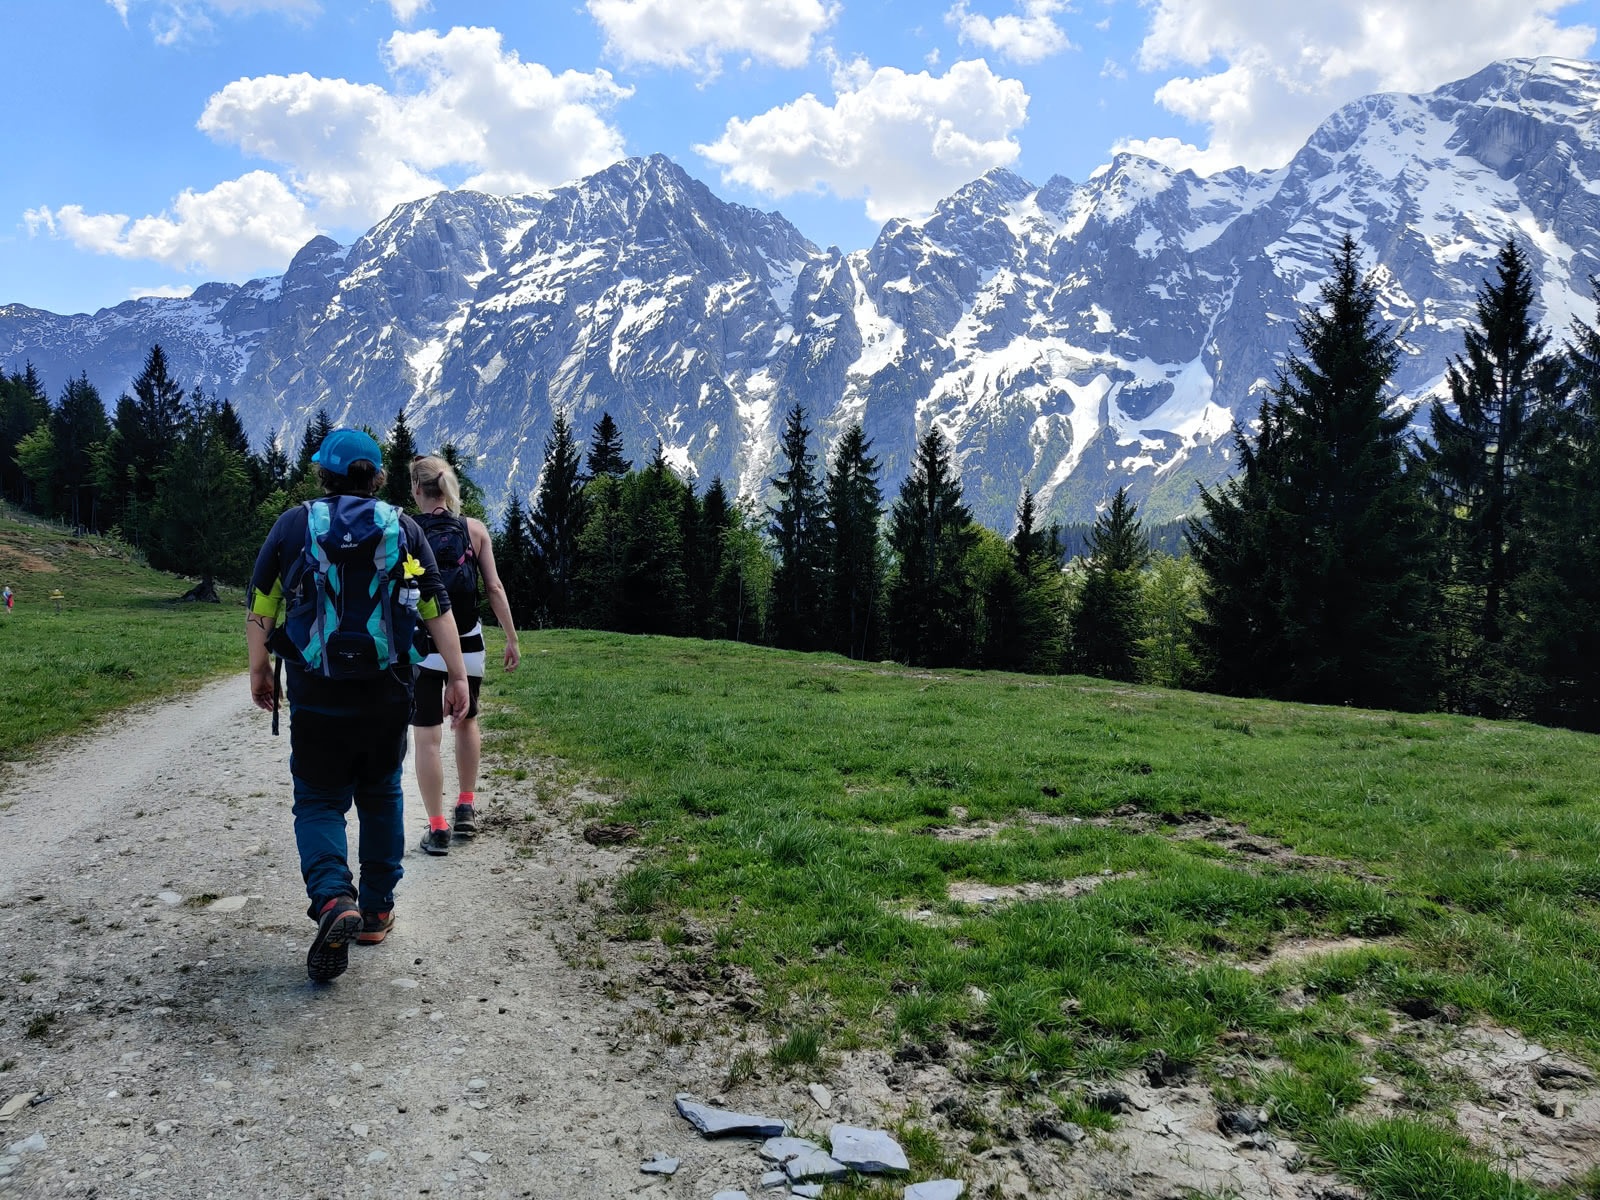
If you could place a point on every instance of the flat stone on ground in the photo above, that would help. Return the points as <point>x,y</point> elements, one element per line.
<point>871,1151</point>
<point>936,1189</point>
<point>719,1122</point>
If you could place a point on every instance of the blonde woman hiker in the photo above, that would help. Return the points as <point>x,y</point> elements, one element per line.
<point>462,549</point>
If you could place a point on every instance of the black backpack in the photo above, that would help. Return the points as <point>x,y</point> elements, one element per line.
<point>458,565</point>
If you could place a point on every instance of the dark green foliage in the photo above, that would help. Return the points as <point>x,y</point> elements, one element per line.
<point>24,407</point>
<point>517,562</point>
<point>1109,618</point>
<point>1557,639</point>
<point>144,432</point>
<point>398,452</point>
<point>1315,558</point>
<point>930,531</point>
<point>630,576</point>
<point>798,532</point>
<point>703,525</point>
<point>605,451</point>
<point>1503,389</point>
<point>320,427</point>
<point>202,514</point>
<point>853,509</point>
<point>269,471</point>
<point>556,521</point>
<point>66,476</point>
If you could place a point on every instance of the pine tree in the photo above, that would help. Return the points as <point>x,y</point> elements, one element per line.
<point>557,520</point>
<point>605,452</point>
<point>1556,640</point>
<point>24,407</point>
<point>1108,618</point>
<point>1316,559</point>
<point>201,519</point>
<point>744,580</point>
<point>853,509</point>
<point>397,455</point>
<point>145,433</point>
<point>515,558</point>
<point>1500,390</point>
<point>930,531</point>
<point>654,593</point>
<point>1171,605</point>
<point>271,469</point>
<point>797,529</point>
<point>602,555</point>
<point>78,426</point>
<point>1040,619</point>
<point>320,426</point>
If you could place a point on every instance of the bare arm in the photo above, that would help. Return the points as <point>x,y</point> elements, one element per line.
<point>257,628</point>
<point>499,604</point>
<point>442,629</point>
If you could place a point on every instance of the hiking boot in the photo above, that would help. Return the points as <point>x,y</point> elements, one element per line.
<point>375,927</point>
<point>466,823</point>
<point>436,841</point>
<point>339,922</point>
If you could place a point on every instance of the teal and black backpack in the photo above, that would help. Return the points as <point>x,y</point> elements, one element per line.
<point>347,615</point>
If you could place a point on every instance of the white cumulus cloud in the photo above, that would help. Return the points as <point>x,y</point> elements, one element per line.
<point>1028,37</point>
<point>1267,73</point>
<point>234,227</point>
<point>405,11</point>
<point>901,141</point>
<point>461,105</point>
<point>697,35</point>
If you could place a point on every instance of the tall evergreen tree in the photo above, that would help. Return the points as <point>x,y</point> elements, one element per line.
<point>398,452</point>
<point>201,519</point>
<point>145,432</point>
<point>1036,557</point>
<point>705,523</point>
<point>24,407</point>
<point>1501,388</point>
<point>319,427</point>
<point>1108,617</point>
<point>853,508</point>
<point>797,530</point>
<point>930,531</point>
<point>1556,640</point>
<point>557,520</point>
<point>270,469</point>
<point>1318,556</point>
<point>605,451</point>
<point>602,554</point>
<point>78,426</point>
<point>744,580</point>
<point>515,558</point>
<point>654,593</point>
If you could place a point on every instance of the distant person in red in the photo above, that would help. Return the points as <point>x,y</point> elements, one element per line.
<point>463,551</point>
<point>10,598</point>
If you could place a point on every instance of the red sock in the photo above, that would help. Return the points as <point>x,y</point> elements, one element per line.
<point>465,797</point>
<point>438,822</point>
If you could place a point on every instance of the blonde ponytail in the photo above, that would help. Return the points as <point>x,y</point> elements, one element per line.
<point>436,480</point>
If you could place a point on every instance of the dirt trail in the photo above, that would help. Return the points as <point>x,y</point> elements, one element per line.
<point>152,986</point>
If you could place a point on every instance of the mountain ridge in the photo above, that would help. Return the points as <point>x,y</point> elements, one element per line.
<point>1069,338</point>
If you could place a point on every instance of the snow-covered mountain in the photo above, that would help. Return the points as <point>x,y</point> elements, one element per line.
<point>1069,338</point>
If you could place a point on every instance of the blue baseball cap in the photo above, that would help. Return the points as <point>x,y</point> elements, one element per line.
<point>345,446</point>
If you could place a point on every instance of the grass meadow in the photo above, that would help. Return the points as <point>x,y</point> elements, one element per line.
<point>820,815</point>
<point>840,827</point>
<point>120,636</point>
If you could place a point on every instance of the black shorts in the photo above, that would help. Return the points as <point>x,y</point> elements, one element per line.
<point>428,706</point>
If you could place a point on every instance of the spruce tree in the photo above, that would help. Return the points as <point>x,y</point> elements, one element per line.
<point>1556,638</point>
<point>797,530</point>
<point>1316,559</point>
<point>557,519</point>
<point>1036,555</point>
<point>24,407</point>
<point>605,451</point>
<point>319,427</point>
<point>1500,389</point>
<point>397,455</point>
<point>146,430</point>
<point>1108,617</point>
<point>930,531</point>
<point>202,515</point>
<point>78,426</point>
<point>515,558</point>
<point>654,593</point>
<point>853,509</point>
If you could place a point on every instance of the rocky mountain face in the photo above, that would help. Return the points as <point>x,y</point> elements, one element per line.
<point>1070,338</point>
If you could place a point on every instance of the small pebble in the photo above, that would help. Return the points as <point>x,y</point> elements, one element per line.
<point>376,1157</point>
<point>479,1157</point>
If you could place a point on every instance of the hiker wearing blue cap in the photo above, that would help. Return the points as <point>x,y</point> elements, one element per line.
<point>338,589</point>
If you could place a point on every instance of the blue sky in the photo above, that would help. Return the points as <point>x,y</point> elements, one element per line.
<point>152,145</point>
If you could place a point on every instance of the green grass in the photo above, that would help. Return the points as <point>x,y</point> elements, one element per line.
<point>792,803</point>
<point>118,638</point>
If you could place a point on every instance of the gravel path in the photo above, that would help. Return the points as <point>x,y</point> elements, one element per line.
<point>153,989</point>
